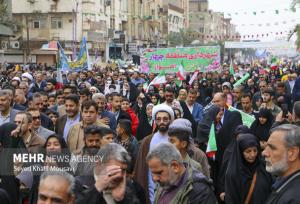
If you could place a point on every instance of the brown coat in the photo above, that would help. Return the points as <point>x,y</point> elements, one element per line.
<point>200,157</point>
<point>76,135</point>
<point>35,143</point>
<point>60,125</point>
<point>141,168</point>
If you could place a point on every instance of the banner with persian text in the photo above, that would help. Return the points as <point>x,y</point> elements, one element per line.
<point>168,60</point>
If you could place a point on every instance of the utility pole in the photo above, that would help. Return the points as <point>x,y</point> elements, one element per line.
<point>27,43</point>
<point>75,29</point>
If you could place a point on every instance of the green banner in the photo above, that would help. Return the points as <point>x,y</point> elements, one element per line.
<point>155,60</point>
<point>246,118</point>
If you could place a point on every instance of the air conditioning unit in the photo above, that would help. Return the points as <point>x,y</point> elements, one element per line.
<point>4,45</point>
<point>161,10</point>
<point>15,44</point>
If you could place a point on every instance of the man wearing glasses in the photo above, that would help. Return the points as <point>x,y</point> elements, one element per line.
<point>33,143</point>
<point>36,124</point>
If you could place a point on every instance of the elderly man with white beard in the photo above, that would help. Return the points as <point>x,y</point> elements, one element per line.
<point>283,160</point>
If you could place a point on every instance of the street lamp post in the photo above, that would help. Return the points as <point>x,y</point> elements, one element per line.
<point>75,29</point>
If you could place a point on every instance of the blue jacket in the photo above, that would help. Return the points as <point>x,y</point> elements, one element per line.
<point>197,112</point>
<point>112,119</point>
<point>41,88</point>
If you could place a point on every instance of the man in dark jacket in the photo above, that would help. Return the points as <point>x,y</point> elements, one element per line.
<point>177,184</point>
<point>111,185</point>
<point>283,160</point>
<point>37,102</point>
<point>116,100</point>
<point>72,116</point>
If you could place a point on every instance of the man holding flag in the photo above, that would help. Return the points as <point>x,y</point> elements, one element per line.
<point>224,133</point>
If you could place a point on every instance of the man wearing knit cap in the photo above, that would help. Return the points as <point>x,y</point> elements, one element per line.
<point>163,115</point>
<point>180,132</point>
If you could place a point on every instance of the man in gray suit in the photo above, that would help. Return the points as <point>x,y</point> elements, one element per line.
<point>7,114</point>
<point>36,124</point>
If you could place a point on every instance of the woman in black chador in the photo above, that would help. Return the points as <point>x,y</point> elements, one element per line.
<point>246,180</point>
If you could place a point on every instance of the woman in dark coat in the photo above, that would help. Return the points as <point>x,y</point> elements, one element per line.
<point>244,165</point>
<point>260,128</point>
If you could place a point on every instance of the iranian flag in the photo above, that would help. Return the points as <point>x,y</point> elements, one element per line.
<point>59,79</point>
<point>159,79</point>
<point>274,63</point>
<point>212,145</point>
<point>180,74</point>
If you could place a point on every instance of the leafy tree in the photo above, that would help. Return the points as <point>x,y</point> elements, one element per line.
<point>182,38</point>
<point>295,2</point>
<point>297,28</point>
<point>5,17</point>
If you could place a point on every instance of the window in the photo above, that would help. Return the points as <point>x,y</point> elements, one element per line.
<point>36,24</point>
<point>56,23</point>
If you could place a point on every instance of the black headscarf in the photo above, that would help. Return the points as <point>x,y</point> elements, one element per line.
<point>241,129</point>
<point>259,130</point>
<point>240,173</point>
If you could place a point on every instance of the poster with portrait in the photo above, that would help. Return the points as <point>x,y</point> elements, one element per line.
<point>111,88</point>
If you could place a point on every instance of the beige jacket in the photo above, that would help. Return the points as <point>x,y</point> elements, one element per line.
<point>76,134</point>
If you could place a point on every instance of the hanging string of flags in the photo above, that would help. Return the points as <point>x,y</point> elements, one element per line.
<point>193,15</point>
<point>262,12</point>
<point>268,23</point>
<point>245,36</point>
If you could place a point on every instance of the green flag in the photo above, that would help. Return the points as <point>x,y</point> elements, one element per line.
<point>231,69</point>
<point>211,145</point>
<point>246,118</point>
<point>239,82</point>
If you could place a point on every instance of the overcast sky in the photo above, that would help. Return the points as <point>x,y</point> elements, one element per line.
<point>245,17</point>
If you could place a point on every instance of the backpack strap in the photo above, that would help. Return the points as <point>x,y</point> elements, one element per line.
<point>249,195</point>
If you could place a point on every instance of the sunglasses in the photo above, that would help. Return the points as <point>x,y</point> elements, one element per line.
<point>36,118</point>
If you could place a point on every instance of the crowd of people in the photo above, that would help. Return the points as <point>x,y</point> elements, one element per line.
<point>122,140</point>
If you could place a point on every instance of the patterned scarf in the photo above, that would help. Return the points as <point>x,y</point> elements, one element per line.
<point>124,143</point>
